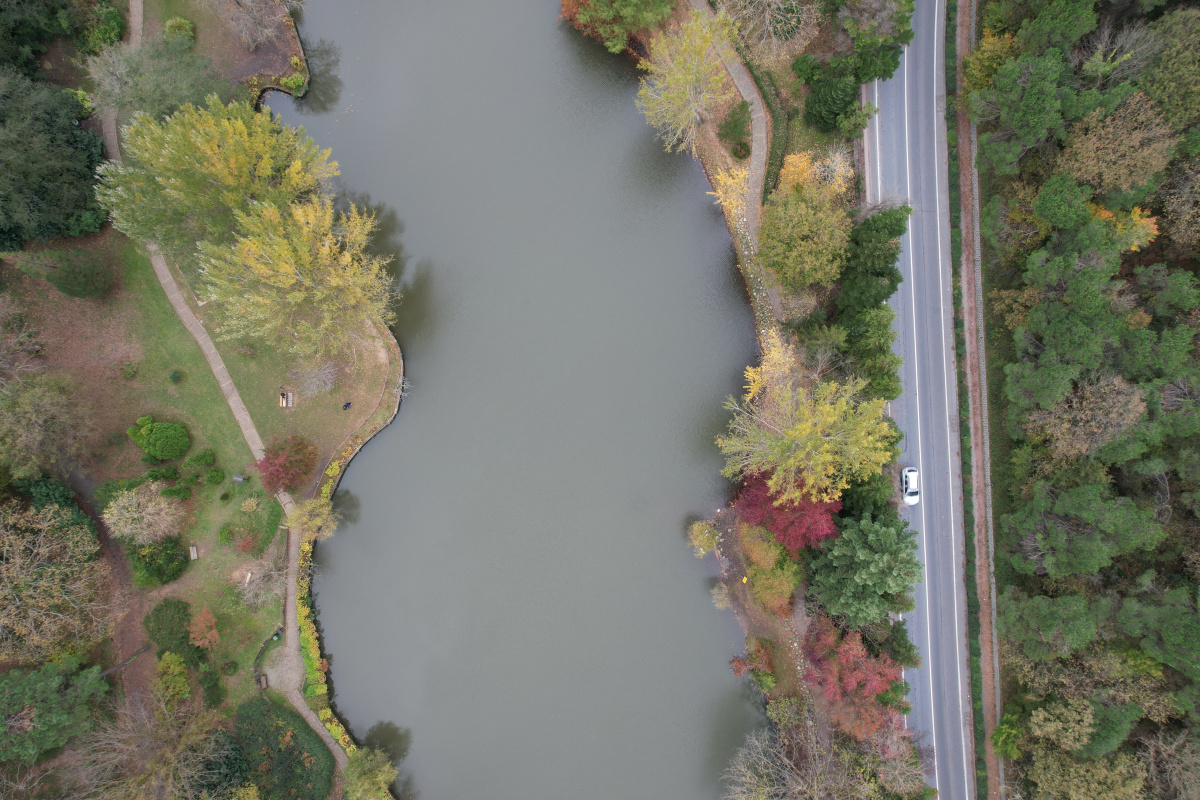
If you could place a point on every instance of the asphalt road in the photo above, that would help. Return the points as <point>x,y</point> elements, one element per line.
<point>906,161</point>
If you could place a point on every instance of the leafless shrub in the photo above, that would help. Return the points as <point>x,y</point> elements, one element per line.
<point>1110,57</point>
<point>774,27</point>
<point>143,516</point>
<point>1173,764</point>
<point>254,21</point>
<point>264,582</point>
<point>157,752</point>
<point>316,381</point>
<point>19,346</point>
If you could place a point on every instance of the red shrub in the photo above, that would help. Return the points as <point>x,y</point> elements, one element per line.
<point>793,524</point>
<point>288,464</point>
<point>246,544</point>
<point>850,678</point>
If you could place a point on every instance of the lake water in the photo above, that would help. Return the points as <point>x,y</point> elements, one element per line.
<point>513,588</point>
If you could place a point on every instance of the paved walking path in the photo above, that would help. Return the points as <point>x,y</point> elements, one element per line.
<point>758,131</point>
<point>286,673</point>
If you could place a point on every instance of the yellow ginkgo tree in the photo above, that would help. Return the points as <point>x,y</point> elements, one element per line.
<point>184,179</point>
<point>299,275</point>
<point>685,77</point>
<point>812,441</point>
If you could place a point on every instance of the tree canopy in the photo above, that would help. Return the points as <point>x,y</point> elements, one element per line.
<point>46,707</point>
<point>867,571</point>
<point>47,163</point>
<point>614,21</point>
<point>50,583</point>
<point>185,179</point>
<point>155,77</point>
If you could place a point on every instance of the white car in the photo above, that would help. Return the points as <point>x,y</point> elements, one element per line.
<point>910,486</point>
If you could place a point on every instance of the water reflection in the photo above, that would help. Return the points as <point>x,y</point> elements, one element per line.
<point>347,505</point>
<point>394,741</point>
<point>324,82</point>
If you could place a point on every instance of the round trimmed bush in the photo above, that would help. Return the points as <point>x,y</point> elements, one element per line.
<point>180,32</point>
<point>214,477</point>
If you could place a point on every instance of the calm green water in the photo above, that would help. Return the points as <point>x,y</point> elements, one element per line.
<point>514,588</point>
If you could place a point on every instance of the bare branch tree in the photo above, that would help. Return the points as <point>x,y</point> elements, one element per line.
<point>1173,764</point>
<point>265,581</point>
<point>775,26</point>
<point>156,753</point>
<point>1109,57</point>
<point>254,21</point>
<point>19,346</point>
<point>316,381</point>
<point>143,516</point>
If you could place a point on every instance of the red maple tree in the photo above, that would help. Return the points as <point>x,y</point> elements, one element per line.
<point>288,464</point>
<point>850,678</point>
<point>793,524</point>
<point>203,630</point>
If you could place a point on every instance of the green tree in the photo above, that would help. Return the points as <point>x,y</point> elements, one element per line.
<point>155,78</point>
<point>614,21</point>
<point>301,276</point>
<point>1046,627</point>
<point>686,78</point>
<point>1173,79</point>
<point>46,163</point>
<point>168,625</point>
<point>1122,150</point>
<point>45,708</point>
<point>813,442</point>
<point>870,276</point>
<point>1063,203</point>
<point>804,237</point>
<point>1113,723</point>
<point>867,571</point>
<point>1060,23</point>
<point>871,338</point>
<point>42,425</point>
<point>992,52</point>
<point>832,93</point>
<point>27,26</point>
<point>368,774</point>
<point>1167,630</point>
<point>1078,531</point>
<point>185,179</point>
<point>1026,102</point>
<point>50,583</point>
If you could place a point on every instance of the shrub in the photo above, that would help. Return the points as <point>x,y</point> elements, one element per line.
<point>703,538</point>
<point>210,683</point>
<point>246,544</point>
<point>293,83</point>
<point>158,563</point>
<point>739,150</point>
<point>162,474</point>
<point>765,681</point>
<point>806,68</point>
<point>288,464</point>
<point>226,496</point>
<point>214,477</point>
<point>129,370</point>
<point>164,441</point>
<point>229,667</point>
<point>182,492</point>
<point>285,757</point>
<point>205,458</point>
<point>168,625</point>
<point>103,30</point>
<point>225,535</point>
<point>175,377</point>
<point>180,31</point>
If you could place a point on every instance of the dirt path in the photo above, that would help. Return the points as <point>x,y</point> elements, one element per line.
<point>976,371</point>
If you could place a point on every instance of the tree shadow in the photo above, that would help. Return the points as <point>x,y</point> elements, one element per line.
<point>347,505</point>
<point>324,83</point>
<point>388,229</point>
<point>394,741</point>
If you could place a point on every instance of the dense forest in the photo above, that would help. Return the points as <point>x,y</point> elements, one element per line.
<point>1088,151</point>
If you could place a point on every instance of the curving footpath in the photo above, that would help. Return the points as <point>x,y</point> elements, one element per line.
<point>287,671</point>
<point>758,131</point>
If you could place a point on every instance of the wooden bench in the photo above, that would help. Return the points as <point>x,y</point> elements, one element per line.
<point>193,553</point>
